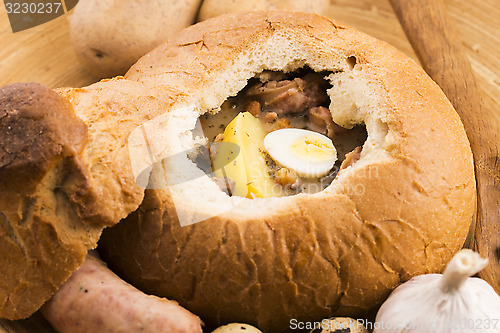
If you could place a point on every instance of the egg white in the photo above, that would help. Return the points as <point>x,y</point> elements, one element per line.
<point>285,148</point>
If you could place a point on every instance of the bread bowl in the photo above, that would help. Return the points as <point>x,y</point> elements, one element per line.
<point>305,256</point>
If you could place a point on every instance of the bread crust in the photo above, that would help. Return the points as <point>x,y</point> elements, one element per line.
<point>30,134</point>
<point>305,257</point>
<point>339,252</point>
<point>65,175</point>
<point>41,140</point>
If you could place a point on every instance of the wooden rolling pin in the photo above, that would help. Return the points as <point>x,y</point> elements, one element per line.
<point>441,53</point>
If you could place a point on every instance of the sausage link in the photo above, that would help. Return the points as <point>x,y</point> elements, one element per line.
<point>94,299</point>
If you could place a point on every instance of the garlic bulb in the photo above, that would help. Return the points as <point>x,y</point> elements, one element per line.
<point>449,302</point>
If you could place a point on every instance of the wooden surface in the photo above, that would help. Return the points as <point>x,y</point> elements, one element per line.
<point>442,55</point>
<point>44,54</point>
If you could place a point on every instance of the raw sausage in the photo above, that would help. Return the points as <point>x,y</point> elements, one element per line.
<point>94,299</point>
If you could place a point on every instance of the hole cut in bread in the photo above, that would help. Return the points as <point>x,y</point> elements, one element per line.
<point>171,140</point>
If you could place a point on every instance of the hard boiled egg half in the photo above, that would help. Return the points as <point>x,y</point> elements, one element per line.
<point>308,153</point>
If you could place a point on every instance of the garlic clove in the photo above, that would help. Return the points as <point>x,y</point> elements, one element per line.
<point>450,302</point>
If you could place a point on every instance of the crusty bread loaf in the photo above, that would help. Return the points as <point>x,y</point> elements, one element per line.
<point>41,176</point>
<point>62,180</point>
<point>402,209</point>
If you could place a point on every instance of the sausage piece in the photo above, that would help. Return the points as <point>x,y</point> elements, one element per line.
<point>94,299</point>
<point>290,96</point>
<point>351,158</point>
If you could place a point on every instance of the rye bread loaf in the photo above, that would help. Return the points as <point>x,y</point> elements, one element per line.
<point>305,257</point>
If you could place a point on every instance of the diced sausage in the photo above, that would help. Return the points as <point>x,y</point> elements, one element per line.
<point>351,158</point>
<point>290,96</point>
<point>254,108</point>
<point>320,120</point>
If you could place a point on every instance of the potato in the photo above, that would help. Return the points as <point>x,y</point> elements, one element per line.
<point>248,170</point>
<point>110,36</point>
<point>212,8</point>
<point>236,328</point>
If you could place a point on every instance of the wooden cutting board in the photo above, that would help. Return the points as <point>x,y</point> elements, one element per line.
<point>44,54</point>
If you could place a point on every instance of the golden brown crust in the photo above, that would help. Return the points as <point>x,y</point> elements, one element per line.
<point>62,181</point>
<point>35,130</point>
<point>40,168</point>
<point>403,209</point>
<point>111,109</point>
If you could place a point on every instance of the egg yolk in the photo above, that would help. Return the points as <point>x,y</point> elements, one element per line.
<point>313,149</point>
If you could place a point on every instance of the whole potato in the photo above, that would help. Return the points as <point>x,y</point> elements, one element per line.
<point>110,36</point>
<point>237,328</point>
<point>212,8</point>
